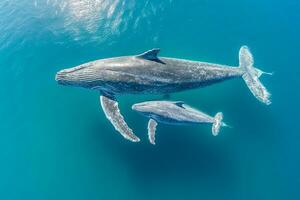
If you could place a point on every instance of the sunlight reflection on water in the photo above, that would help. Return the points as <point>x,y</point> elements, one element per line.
<point>80,20</point>
<point>99,18</point>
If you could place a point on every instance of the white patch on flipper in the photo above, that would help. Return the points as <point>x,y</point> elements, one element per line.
<point>113,114</point>
<point>151,130</point>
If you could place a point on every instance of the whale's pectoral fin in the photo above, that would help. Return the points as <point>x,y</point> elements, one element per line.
<point>113,114</point>
<point>151,130</point>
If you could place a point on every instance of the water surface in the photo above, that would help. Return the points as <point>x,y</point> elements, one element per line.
<point>55,142</point>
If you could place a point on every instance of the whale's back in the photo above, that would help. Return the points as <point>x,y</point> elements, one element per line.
<point>165,75</point>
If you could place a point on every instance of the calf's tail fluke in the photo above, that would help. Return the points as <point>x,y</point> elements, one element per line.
<point>251,75</point>
<point>217,123</point>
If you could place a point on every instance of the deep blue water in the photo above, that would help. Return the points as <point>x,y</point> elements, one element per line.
<point>55,142</point>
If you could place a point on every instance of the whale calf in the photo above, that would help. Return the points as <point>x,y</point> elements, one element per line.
<point>175,113</point>
<point>147,73</point>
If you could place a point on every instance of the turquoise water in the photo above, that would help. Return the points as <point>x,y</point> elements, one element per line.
<point>55,142</point>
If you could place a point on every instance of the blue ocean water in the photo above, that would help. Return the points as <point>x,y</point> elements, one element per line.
<point>55,142</point>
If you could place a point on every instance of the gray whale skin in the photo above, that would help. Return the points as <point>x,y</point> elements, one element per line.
<point>147,73</point>
<point>175,113</point>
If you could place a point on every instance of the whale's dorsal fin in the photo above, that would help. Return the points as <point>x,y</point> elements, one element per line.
<point>150,54</point>
<point>113,114</point>
<point>179,103</point>
<point>151,130</point>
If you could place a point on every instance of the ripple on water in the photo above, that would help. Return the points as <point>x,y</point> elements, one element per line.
<point>81,20</point>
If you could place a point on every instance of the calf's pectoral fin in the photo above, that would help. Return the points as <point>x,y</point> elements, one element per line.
<point>113,114</point>
<point>151,130</point>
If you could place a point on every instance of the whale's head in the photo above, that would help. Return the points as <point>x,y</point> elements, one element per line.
<point>91,75</point>
<point>148,108</point>
<point>81,75</point>
<point>145,108</point>
<point>103,74</point>
<point>141,107</point>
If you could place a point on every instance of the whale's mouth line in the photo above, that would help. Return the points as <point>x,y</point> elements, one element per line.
<point>62,82</point>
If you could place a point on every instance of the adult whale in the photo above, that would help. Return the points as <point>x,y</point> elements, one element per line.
<point>149,74</point>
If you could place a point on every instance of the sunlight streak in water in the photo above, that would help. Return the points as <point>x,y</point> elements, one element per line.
<point>93,16</point>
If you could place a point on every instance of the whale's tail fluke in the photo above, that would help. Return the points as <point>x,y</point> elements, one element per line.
<point>251,75</point>
<point>217,123</point>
